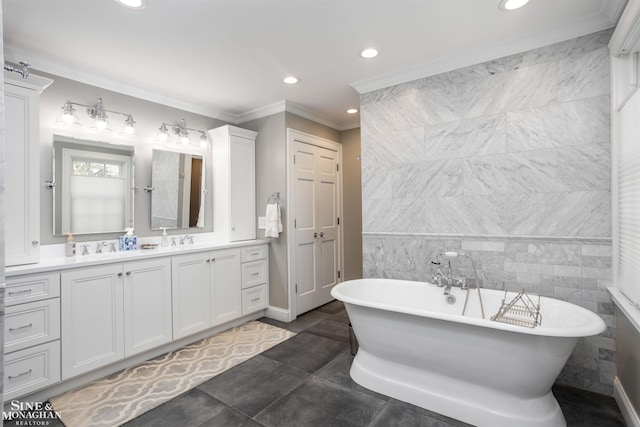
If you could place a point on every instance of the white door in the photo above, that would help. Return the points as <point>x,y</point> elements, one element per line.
<point>317,242</point>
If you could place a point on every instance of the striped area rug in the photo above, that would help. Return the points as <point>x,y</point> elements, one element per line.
<point>130,393</point>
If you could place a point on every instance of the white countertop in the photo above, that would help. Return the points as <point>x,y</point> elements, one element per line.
<point>53,263</point>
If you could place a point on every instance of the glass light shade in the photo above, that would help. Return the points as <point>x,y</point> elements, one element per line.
<point>68,116</point>
<point>129,127</point>
<point>291,80</point>
<point>101,124</point>
<point>163,133</point>
<point>204,141</point>
<point>184,138</point>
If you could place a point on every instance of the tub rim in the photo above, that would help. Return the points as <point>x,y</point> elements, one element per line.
<point>595,326</point>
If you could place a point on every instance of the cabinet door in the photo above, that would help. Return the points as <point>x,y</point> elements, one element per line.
<point>242,182</point>
<point>147,305</point>
<point>190,294</point>
<point>92,318</point>
<point>226,296</point>
<point>22,170</point>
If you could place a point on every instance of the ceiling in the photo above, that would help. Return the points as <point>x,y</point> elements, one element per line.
<point>227,59</point>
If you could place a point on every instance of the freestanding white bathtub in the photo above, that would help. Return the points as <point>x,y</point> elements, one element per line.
<point>415,347</point>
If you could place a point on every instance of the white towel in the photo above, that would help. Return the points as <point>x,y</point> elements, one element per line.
<point>274,224</point>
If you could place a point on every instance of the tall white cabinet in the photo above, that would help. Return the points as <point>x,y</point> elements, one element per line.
<point>234,183</point>
<point>22,168</point>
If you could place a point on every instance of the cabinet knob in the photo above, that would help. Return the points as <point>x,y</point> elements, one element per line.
<point>119,274</point>
<point>208,260</point>
<point>35,243</point>
<point>128,273</point>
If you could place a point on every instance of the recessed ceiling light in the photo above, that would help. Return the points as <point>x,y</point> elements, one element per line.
<point>369,53</point>
<point>511,4</point>
<point>133,4</point>
<point>352,111</point>
<point>291,80</point>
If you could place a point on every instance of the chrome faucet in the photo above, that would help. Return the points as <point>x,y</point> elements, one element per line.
<point>99,247</point>
<point>186,237</point>
<point>85,251</point>
<point>441,280</point>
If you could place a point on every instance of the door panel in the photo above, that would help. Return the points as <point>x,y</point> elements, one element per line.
<point>317,244</point>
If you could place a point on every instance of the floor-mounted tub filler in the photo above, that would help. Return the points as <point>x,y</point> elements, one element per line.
<point>416,346</point>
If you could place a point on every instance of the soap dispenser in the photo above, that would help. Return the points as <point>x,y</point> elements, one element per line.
<point>165,238</point>
<point>70,246</point>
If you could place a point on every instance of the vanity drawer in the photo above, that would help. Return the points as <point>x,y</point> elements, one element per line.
<point>31,288</point>
<point>26,371</point>
<point>255,299</point>
<point>26,325</point>
<point>254,273</point>
<point>254,253</point>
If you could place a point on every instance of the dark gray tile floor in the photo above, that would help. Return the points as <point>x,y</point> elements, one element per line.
<point>305,381</point>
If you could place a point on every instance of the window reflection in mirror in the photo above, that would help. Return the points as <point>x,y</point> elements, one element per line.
<point>177,196</point>
<point>94,186</point>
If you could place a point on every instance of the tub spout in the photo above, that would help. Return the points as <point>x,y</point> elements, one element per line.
<point>447,290</point>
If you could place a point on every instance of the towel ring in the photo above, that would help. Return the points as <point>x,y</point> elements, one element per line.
<point>274,198</point>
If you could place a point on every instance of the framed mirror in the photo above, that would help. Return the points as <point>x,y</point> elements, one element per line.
<point>94,186</point>
<point>178,189</point>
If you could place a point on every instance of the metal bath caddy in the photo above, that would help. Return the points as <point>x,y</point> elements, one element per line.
<point>520,311</point>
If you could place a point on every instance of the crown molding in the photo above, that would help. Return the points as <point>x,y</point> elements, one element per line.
<point>51,67</point>
<point>298,110</point>
<point>602,20</point>
<point>258,113</point>
<point>48,66</point>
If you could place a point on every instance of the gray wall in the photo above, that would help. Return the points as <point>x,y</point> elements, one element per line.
<point>271,176</point>
<point>352,203</point>
<point>148,116</point>
<point>508,161</point>
<point>628,358</point>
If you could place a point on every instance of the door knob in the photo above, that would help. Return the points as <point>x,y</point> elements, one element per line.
<point>315,234</point>
<point>322,234</point>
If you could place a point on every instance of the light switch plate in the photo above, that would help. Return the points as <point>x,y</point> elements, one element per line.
<point>262,223</point>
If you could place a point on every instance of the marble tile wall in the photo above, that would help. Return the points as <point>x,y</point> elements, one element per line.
<point>508,161</point>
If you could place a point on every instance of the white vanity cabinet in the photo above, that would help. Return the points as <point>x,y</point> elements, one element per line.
<point>31,334</point>
<point>206,290</point>
<point>67,325</point>
<point>191,293</point>
<point>147,305</point>
<point>22,168</point>
<point>234,183</point>
<point>114,311</point>
<point>255,279</point>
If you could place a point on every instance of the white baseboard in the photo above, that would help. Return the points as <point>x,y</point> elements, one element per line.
<point>277,313</point>
<point>628,412</point>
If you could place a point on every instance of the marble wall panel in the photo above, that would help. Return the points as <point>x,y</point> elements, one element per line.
<point>508,160</point>
<point>585,121</point>
<point>464,138</point>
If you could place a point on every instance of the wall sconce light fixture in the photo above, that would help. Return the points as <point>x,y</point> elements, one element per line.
<point>181,132</point>
<point>98,114</point>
